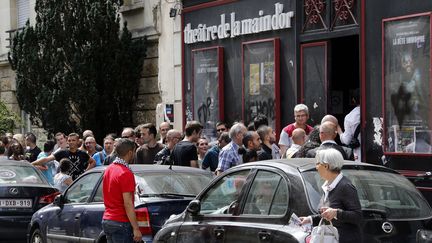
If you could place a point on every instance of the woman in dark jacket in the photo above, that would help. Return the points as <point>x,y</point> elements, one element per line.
<point>340,203</point>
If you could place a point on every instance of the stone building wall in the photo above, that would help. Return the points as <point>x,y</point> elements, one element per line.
<point>148,91</point>
<point>144,20</point>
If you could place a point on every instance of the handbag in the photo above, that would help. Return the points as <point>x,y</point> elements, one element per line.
<point>324,233</point>
<point>355,143</point>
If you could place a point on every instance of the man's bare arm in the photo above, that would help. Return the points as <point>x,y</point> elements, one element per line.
<point>194,163</point>
<point>42,161</point>
<point>130,212</point>
<point>91,163</point>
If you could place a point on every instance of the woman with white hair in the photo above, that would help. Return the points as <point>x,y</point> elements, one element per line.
<point>340,203</point>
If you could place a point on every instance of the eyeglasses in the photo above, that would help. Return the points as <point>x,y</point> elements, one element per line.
<point>127,136</point>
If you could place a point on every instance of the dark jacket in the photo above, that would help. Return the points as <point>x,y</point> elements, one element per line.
<point>347,153</point>
<point>265,153</point>
<point>349,220</point>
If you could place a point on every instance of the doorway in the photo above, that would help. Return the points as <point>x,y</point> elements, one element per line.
<point>344,75</point>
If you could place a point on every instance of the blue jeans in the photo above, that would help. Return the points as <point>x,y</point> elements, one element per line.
<point>117,232</point>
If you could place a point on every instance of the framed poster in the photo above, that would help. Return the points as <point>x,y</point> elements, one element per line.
<point>260,74</point>
<point>406,84</point>
<point>207,89</point>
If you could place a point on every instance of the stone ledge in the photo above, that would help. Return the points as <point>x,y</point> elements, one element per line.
<point>129,5</point>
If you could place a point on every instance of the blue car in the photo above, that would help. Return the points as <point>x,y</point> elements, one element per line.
<point>76,215</point>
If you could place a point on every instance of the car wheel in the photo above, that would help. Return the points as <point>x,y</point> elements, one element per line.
<point>36,237</point>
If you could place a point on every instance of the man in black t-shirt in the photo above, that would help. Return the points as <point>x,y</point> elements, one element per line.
<point>185,152</point>
<point>32,152</point>
<point>81,161</point>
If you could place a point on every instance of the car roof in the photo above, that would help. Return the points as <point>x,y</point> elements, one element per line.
<point>158,168</point>
<point>5,161</point>
<point>308,164</point>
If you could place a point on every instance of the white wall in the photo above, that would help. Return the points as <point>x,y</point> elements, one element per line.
<point>170,72</point>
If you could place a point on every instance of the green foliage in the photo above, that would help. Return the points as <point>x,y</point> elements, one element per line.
<point>8,119</point>
<point>75,69</point>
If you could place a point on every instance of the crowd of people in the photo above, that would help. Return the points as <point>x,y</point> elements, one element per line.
<point>68,156</point>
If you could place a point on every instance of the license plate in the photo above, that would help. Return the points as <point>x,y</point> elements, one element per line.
<point>15,203</point>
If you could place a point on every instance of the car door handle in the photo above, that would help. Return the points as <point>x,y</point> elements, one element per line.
<point>219,233</point>
<point>77,216</point>
<point>264,236</point>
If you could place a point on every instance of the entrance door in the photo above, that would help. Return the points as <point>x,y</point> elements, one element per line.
<point>313,78</point>
<point>330,77</point>
<point>344,75</point>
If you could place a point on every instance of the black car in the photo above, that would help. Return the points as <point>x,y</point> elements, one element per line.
<point>256,202</point>
<point>76,215</point>
<point>23,191</point>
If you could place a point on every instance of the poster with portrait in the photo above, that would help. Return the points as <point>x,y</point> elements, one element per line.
<point>406,84</point>
<point>254,79</point>
<point>260,70</point>
<point>207,85</point>
<point>268,73</point>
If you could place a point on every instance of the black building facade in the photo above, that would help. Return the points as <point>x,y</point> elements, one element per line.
<point>243,57</point>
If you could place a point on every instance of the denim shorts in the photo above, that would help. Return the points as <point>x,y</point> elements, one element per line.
<point>117,232</point>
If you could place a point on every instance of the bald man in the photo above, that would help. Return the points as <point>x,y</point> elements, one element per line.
<point>164,127</point>
<point>328,132</point>
<point>330,118</point>
<point>298,138</point>
<point>172,138</point>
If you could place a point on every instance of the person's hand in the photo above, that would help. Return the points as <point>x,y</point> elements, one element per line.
<point>329,213</point>
<point>304,220</point>
<point>137,236</point>
<point>339,129</point>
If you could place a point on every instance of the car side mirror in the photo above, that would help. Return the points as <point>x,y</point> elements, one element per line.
<point>194,207</point>
<point>59,200</point>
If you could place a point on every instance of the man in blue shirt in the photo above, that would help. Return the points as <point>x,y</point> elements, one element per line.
<point>108,144</point>
<point>229,156</point>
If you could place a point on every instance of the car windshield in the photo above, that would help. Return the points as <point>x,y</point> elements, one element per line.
<point>390,194</point>
<point>173,183</point>
<point>16,174</point>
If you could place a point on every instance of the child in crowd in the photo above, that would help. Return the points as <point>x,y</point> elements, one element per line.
<point>62,180</point>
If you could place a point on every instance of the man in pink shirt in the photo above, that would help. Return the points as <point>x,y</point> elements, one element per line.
<point>119,220</point>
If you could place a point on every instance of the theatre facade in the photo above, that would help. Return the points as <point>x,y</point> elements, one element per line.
<point>245,57</point>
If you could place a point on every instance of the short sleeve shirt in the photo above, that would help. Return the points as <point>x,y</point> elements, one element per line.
<point>146,155</point>
<point>79,160</point>
<point>229,157</point>
<point>183,153</point>
<point>117,180</point>
<point>286,134</point>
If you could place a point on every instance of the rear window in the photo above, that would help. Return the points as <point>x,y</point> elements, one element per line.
<point>387,192</point>
<point>173,182</point>
<point>15,174</point>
